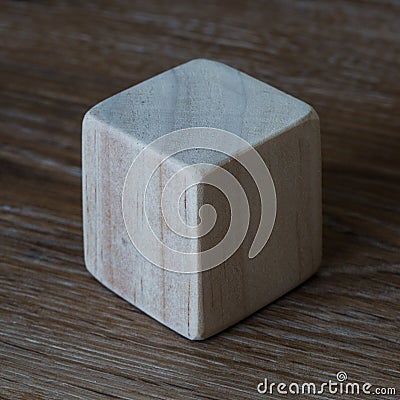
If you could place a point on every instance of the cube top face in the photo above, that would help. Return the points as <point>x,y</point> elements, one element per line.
<point>151,157</point>
<point>201,93</point>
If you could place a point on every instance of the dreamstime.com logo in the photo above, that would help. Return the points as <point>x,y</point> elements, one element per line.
<point>151,160</point>
<point>339,386</point>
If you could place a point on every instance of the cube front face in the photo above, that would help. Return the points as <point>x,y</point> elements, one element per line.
<point>199,304</point>
<point>110,256</point>
<point>240,286</point>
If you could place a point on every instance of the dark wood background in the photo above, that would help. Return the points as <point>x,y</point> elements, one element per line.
<point>63,335</point>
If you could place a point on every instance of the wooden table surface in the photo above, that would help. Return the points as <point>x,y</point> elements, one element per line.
<point>65,336</point>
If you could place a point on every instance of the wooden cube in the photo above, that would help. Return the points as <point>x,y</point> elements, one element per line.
<point>201,195</point>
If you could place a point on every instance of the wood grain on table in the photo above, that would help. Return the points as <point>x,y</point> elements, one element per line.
<point>65,336</point>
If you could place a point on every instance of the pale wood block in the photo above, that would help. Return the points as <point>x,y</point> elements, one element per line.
<point>201,104</point>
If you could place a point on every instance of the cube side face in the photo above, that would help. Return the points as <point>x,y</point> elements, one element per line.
<point>169,297</point>
<point>241,286</point>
